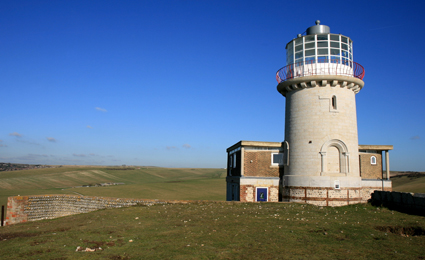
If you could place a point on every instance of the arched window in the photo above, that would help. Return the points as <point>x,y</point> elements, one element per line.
<point>373,160</point>
<point>334,103</point>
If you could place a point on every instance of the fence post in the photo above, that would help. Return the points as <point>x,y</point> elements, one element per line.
<point>2,215</point>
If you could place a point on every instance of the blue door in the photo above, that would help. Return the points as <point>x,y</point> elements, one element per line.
<point>261,194</point>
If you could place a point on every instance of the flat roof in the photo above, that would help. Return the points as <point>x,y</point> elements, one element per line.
<point>375,147</point>
<point>255,144</point>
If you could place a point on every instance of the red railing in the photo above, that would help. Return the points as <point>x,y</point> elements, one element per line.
<point>322,67</point>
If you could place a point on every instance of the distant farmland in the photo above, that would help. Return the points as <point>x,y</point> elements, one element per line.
<point>139,182</point>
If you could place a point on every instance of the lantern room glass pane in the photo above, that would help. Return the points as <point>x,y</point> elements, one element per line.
<point>309,38</point>
<point>322,51</point>
<point>344,46</point>
<point>298,41</point>
<point>335,44</point>
<point>334,51</point>
<point>321,37</point>
<point>344,39</point>
<point>297,61</point>
<point>310,52</point>
<point>289,52</point>
<point>299,48</point>
<point>310,45</point>
<point>322,44</point>
<point>344,53</point>
<point>322,59</point>
<point>290,60</point>
<point>289,46</point>
<point>335,59</point>
<point>309,60</point>
<point>334,37</point>
<point>298,55</point>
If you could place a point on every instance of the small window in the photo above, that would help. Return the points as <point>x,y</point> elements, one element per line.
<point>373,160</point>
<point>230,161</point>
<point>277,158</point>
<point>234,160</point>
<point>334,103</point>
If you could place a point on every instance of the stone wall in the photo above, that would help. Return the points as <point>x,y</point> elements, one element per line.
<point>407,202</point>
<point>324,196</point>
<point>21,209</point>
<point>248,193</point>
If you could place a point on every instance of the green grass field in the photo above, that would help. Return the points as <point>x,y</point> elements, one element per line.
<point>145,183</point>
<point>411,182</point>
<point>205,230</point>
<point>221,230</point>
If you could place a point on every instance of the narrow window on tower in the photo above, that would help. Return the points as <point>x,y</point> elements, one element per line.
<point>334,107</point>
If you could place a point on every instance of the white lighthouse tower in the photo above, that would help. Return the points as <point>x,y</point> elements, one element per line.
<point>320,82</point>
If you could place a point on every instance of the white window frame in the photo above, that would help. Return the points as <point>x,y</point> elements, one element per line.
<point>276,164</point>
<point>373,160</point>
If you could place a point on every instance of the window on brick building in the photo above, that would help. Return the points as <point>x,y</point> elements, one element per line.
<point>277,158</point>
<point>373,160</point>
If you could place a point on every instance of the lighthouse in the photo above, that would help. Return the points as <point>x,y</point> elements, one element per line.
<point>320,83</point>
<point>320,160</point>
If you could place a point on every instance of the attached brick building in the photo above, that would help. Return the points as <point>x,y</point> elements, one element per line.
<point>255,172</point>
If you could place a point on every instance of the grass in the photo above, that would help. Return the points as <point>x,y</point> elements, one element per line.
<point>141,182</point>
<point>221,230</point>
<point>205,230</point>
<point>410,182</point>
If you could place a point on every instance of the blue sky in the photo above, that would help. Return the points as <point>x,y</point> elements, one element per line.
<point>174,83</point>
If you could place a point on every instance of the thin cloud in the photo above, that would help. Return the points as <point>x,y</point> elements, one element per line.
<point>79,155</point>
<point>171,147</point>
<point>416,137</point>
<point>187,146</point>
<point>27,142</point>
<point>3,145</point>
<point>89,127</point>
<point>101,109</point>
<point>51,139</point>
<point>15,134</point>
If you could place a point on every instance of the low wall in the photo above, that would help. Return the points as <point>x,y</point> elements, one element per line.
<point>402,201</point>
<point>21,209</point>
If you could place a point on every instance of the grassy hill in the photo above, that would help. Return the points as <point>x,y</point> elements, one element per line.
<point>409,182</point>
<point>139,182</point>
<point>221,230</point>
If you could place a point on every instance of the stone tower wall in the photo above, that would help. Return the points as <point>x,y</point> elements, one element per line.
<point>311,121</point>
